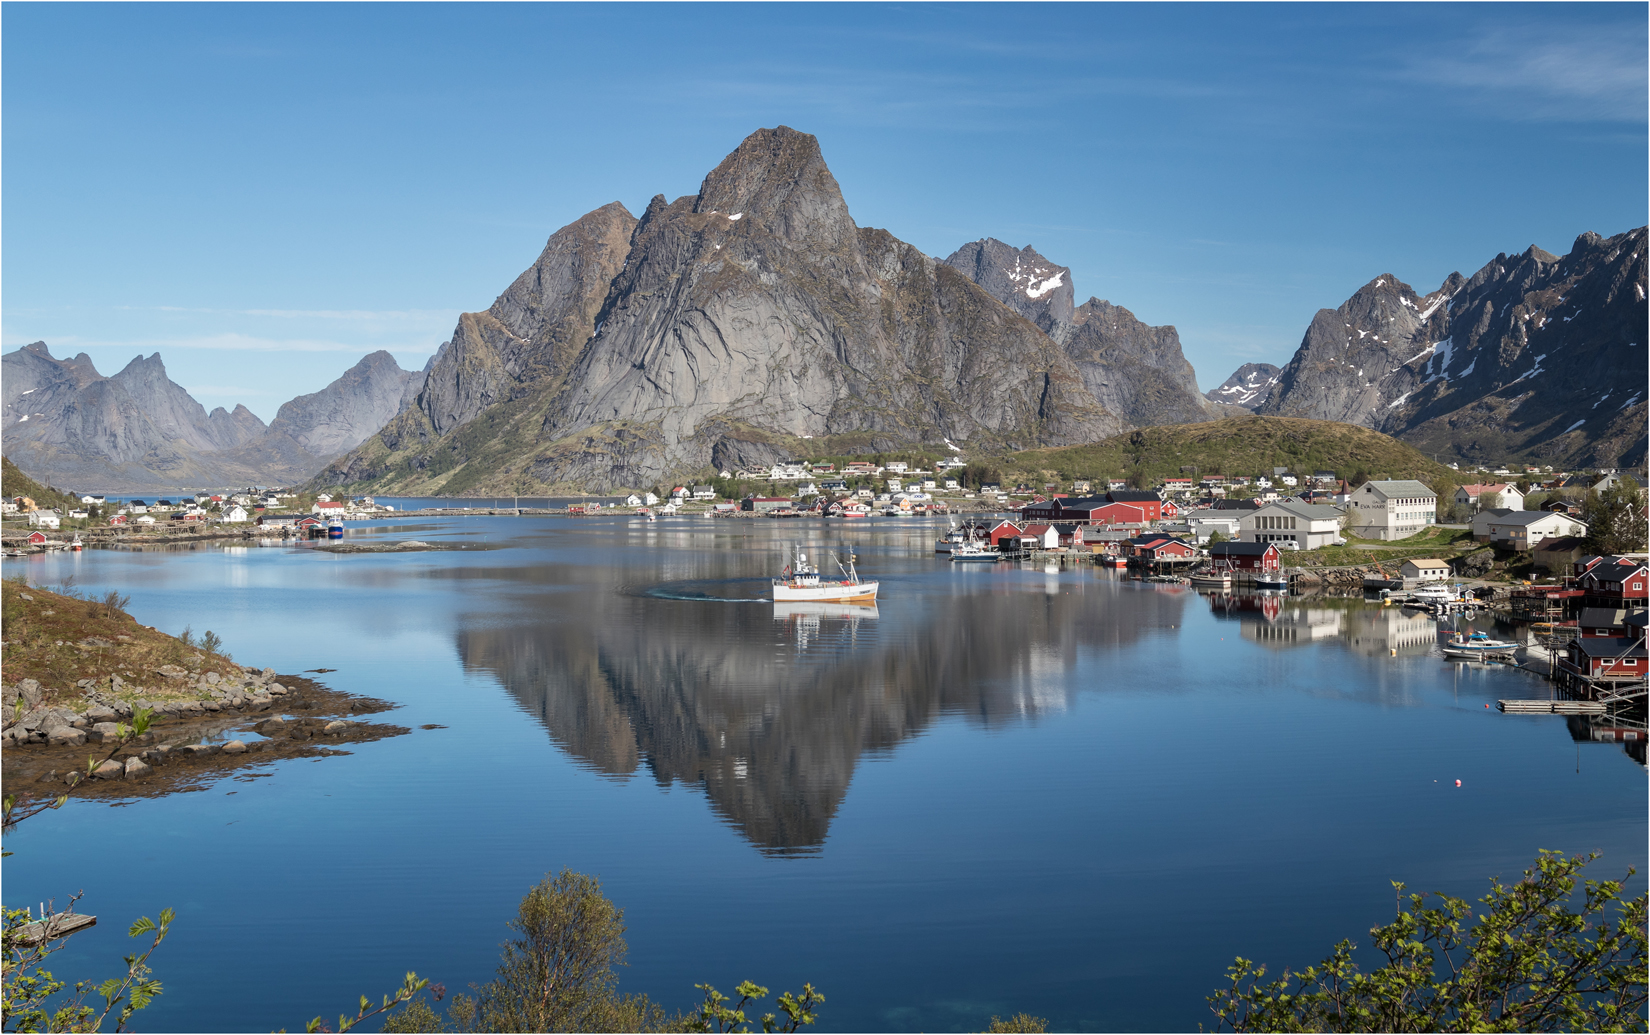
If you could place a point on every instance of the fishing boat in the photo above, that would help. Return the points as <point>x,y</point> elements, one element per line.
<point>1211,578</point>
<point>335,528</point>
<point>952,539</point>
<point>1271,580</point>
<point>1475,645</point>
<point>800,581</point>
<point>975,551</point>
<point>76,545</point>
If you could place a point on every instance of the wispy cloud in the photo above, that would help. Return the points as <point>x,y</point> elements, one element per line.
<point>1557,74</point>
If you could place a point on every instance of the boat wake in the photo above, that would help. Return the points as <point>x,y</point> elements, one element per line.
<point>706,591</point>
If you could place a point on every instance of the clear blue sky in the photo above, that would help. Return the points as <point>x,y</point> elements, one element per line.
<point>264,193</point>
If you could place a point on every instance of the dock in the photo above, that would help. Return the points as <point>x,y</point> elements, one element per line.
<point>1553,707</point>
<point>58,925</point>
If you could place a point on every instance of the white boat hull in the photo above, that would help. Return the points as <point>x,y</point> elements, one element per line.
<point>833,592</point>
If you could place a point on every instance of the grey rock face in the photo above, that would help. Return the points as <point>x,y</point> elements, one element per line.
<point>534,330</point>
<point>759,302</point>
<point>1249,386</point>
<point>1535,357</point>
<point>1134,370</point>
<point>346,412</point>
<point>1027,283</point>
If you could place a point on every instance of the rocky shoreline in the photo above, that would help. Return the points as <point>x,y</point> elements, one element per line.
<point>233,725</point>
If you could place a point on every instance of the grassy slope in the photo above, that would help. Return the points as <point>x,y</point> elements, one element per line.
<point>98,640</point>
<point>13,482</point>
<point>1237,445</point>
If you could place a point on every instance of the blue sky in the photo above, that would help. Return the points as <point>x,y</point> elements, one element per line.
<point>263,193</point>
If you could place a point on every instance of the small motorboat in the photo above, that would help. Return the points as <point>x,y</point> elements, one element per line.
<point>1475,645</point>
<point>76,545</point>
<point>1271,580</point>
<point>975,551</point>
<point>1211,578</point>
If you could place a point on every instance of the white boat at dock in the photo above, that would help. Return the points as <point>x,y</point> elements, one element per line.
<point>801,582</point>
<point>1475,645</point>
<point>976,551</point>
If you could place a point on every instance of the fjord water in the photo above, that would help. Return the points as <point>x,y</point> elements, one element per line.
<point>1003,789</point>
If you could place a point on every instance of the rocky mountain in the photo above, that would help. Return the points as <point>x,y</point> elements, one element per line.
<point>1021,279</point>
<point>1134,371</point>
<point>1249,386</point>
<point>139,431</point>
<point>731,325</point>
<point>1535,357</point>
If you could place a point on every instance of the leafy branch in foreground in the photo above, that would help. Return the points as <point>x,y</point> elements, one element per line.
<point>1529,964</point>
<point>411,985</point>
<point>715,1015</point>
<point>29,987</point>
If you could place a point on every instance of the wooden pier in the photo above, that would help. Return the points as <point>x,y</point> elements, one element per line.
<point>1551,707</point>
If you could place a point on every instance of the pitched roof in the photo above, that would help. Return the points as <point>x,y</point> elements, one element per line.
<point>1310,511</point>
<point>1427,562</point>
<point>1240,549</point>
<point>1609,646</point>
<point>1398,487</point>
<point>1601,617</point>
<point>1133,496</point>
<point>1529,517</point>
<point>1559,544</point>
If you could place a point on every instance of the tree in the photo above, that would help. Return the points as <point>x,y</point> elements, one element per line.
<point>1530,964</point>
<point>1358,478</point>
<point>559,976</point>
<point>1217,536</point>
<point>1616,519</point>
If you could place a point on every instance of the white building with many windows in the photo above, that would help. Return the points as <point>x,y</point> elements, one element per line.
<point>1306,526</point>
<point>1392,509</point>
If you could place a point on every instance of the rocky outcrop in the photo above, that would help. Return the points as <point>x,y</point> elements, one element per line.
<point>1534,358</point>
<point>1021,279</point>
<point>1133,370</point>
<point>1249,386</point>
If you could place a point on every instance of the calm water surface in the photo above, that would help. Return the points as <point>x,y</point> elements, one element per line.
<point>1002,789</point>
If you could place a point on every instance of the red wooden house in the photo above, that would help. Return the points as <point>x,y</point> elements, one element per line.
<point>1169,509</point>
<point>1162,548</point>
<point>1250,557</point>
<point>37,538</point>
<point>1621,579</point>
<point>1606,657</point>
<point>1004,530</point>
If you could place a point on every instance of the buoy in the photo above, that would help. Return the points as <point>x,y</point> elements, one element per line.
<point>1458,783</point>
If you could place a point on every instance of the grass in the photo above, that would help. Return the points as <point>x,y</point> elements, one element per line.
<point>13,482</point>
<point>60,637</point>
<point>1237,445</point>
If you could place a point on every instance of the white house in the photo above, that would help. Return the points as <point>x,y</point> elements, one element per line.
<point>1392,509</point>
<point>1523,529</point>
<point>1306,525</point>
<point>704,492</point>
<point>1494,496</point>
<point>1425,569</point>
<point>648,499</point>
<point>1204,523</point>
<point>43,519</point>
<point>633,500</point>
<point>233,513</point>
<point>1289,480</point>
<point>92,498</point>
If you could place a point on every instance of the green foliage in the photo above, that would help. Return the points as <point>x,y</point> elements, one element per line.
<point>31,993</point>
<point>411,985</point>
<point>1529,964</point>
<point>212,643</point>
<point>1217,536</point>
<point>187,637</point>
<point>13,482</point>
<point>1020,1022</point>
<point>1615,518</point>
<point>716,1015</point>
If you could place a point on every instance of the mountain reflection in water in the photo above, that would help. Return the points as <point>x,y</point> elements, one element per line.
<point>769,708</point>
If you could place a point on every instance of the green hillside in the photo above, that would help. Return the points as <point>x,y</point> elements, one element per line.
<point>1237,445</point>
<point>13,482</point>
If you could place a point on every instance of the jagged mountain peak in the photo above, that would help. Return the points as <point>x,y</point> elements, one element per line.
<point>1249,386</point>
<point>1035,287</point>
<point>777,178</point>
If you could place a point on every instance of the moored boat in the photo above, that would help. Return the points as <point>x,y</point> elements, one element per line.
<point>975,551</point>
<point>800,581</point>
<point>76,545</point>
<point>1475,644</point>
<point>1211,578</point>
